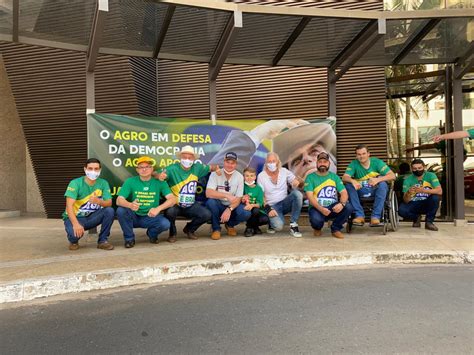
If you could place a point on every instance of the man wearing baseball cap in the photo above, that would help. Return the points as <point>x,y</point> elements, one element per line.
<point>322,188</point>
<point>224,195</point>
<point>139,203</point>
<point>183,177</point>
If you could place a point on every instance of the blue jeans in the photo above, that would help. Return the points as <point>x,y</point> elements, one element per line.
<point>129,220</point>
<point>197,212</point>
<point>317,219</point>
<point>290,204</point>
<point>413,209</point>
<point>104,217</point>
<point>217,208</point>
<point>379,192</point>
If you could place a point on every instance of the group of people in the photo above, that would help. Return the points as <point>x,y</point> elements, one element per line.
<point>153,200</point>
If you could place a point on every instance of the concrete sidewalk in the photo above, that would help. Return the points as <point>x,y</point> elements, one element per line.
<point>35,260</point>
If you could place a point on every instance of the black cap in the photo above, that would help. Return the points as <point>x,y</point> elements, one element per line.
<point>230,156</point>
<point>322,156</point>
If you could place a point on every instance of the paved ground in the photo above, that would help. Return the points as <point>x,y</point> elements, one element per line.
<point>35,261</point>
<point>423,309</point>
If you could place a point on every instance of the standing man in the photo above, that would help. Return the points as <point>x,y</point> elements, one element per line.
<point>139,203</point>
<point>224,195</point>
<point>88,204</point>
<point>366,177</point>
<point>183,180</point>
<point>322,188</point>
<point>274,180</point>
<point>421,193</point>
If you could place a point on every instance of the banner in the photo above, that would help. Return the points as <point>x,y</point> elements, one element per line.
<point>117,141</point>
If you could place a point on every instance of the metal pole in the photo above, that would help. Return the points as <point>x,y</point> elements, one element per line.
<point>90,92</point>
<point>212,101</point>
<point>449,175</point>
<point>459,213</point>
<point>331,93</point>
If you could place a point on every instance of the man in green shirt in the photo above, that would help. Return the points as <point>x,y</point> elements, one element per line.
<point>367,177</point>
<point>139,203</point>
<point>88,204</point>
<point>183,177</point>
<point>322,188</point>
<point>421,194</point>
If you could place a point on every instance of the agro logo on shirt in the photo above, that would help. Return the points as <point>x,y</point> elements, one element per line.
<point>327,196</point>
<point>88,208</point>
<point>187,194</point>
<point>420,196</point>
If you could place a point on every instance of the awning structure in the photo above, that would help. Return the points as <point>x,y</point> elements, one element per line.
<point>213,31</point>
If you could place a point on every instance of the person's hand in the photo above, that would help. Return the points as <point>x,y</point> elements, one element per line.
<point>419,190</point>
<point>325,211</point>
<point>337,207</point>
<point>438,138</point>
<point>134,206</point>
<point>373,181</point>
<point>295,183</point>
<point>218,171</point>
<point>248,207</point>
<point>78,230</point>
<point>356,184</point>
<point>270,129</point>
<point>153,212</point>
<point>94,199</point>
<point>412,190</point>
<point>162,176</point>
<point>225,216</point>
<point>245,199</point>
<point>272,213</point>
<point>232,199</point>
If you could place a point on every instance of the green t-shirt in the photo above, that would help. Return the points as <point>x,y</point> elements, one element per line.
<point>79,190</point>
<point>255,195</point>
<point>357,171</point>
<point>148,193</point>
<point>183,183</point>
<point>429,181</point>
<point>324,187</point>
<point>471,133</point>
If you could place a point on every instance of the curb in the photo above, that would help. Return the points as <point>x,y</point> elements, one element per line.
<point>29,289</point>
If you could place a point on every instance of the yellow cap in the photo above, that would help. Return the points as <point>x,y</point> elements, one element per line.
<point>146,159</point>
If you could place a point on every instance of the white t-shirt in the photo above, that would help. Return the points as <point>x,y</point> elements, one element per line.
<point>235,185</point>
<point>275,193</point>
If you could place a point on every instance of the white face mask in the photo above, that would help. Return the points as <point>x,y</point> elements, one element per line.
<point>272,167</point>
<point>251,183</point>
<point>187,163</point>
<point>91,174</point>
<point>229,172</point>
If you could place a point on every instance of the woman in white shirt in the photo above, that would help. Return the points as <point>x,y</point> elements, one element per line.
<point>274,180</point>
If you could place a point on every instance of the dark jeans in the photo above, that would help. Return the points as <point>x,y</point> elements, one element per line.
<point>317,219</point>
<point>257,218</point>
<point>129,220</point>
<point>104,217</point>
<point>379,192</point>
<point>197,212</point>
<point>413,209</point>
<point>217,208</point>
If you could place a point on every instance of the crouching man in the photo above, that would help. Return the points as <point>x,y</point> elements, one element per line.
<point>139,204</point>
<point>321,188</point>
<point>421,194</point>
<point>88,204</point>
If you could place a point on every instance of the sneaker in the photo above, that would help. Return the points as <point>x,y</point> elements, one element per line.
<point>248,232</point>
<point>105,246</point>
<point>216,235</point>
<point>417,222</point>
<point>338,234</point>
<point>231,231</point>
<point>294,231</point>
<point>375,222</point>
<point>154,240</point>
<point>190,234</point>
<point>257,230</point>
<point>430,226</point>
<point>317,232</point>
<point>73,246</point>
<point>172,239</point>
<point>271,231</point>
<point>130,243</point>
<point>358,221</point>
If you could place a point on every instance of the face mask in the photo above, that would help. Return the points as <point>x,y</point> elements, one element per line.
<point>93,175</point>
<point>418,172</point>
<point>250,183</point>
<point>322,169</point>
<point>229,172</point>
<point>187,163</point>
<point>272,167</point>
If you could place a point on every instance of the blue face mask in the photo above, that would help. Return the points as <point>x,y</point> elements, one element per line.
<point>272,167</point>
<point>187,163</point>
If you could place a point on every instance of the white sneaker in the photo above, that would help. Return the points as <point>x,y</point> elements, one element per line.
<point>271,231</point>
<point>294,231</point>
